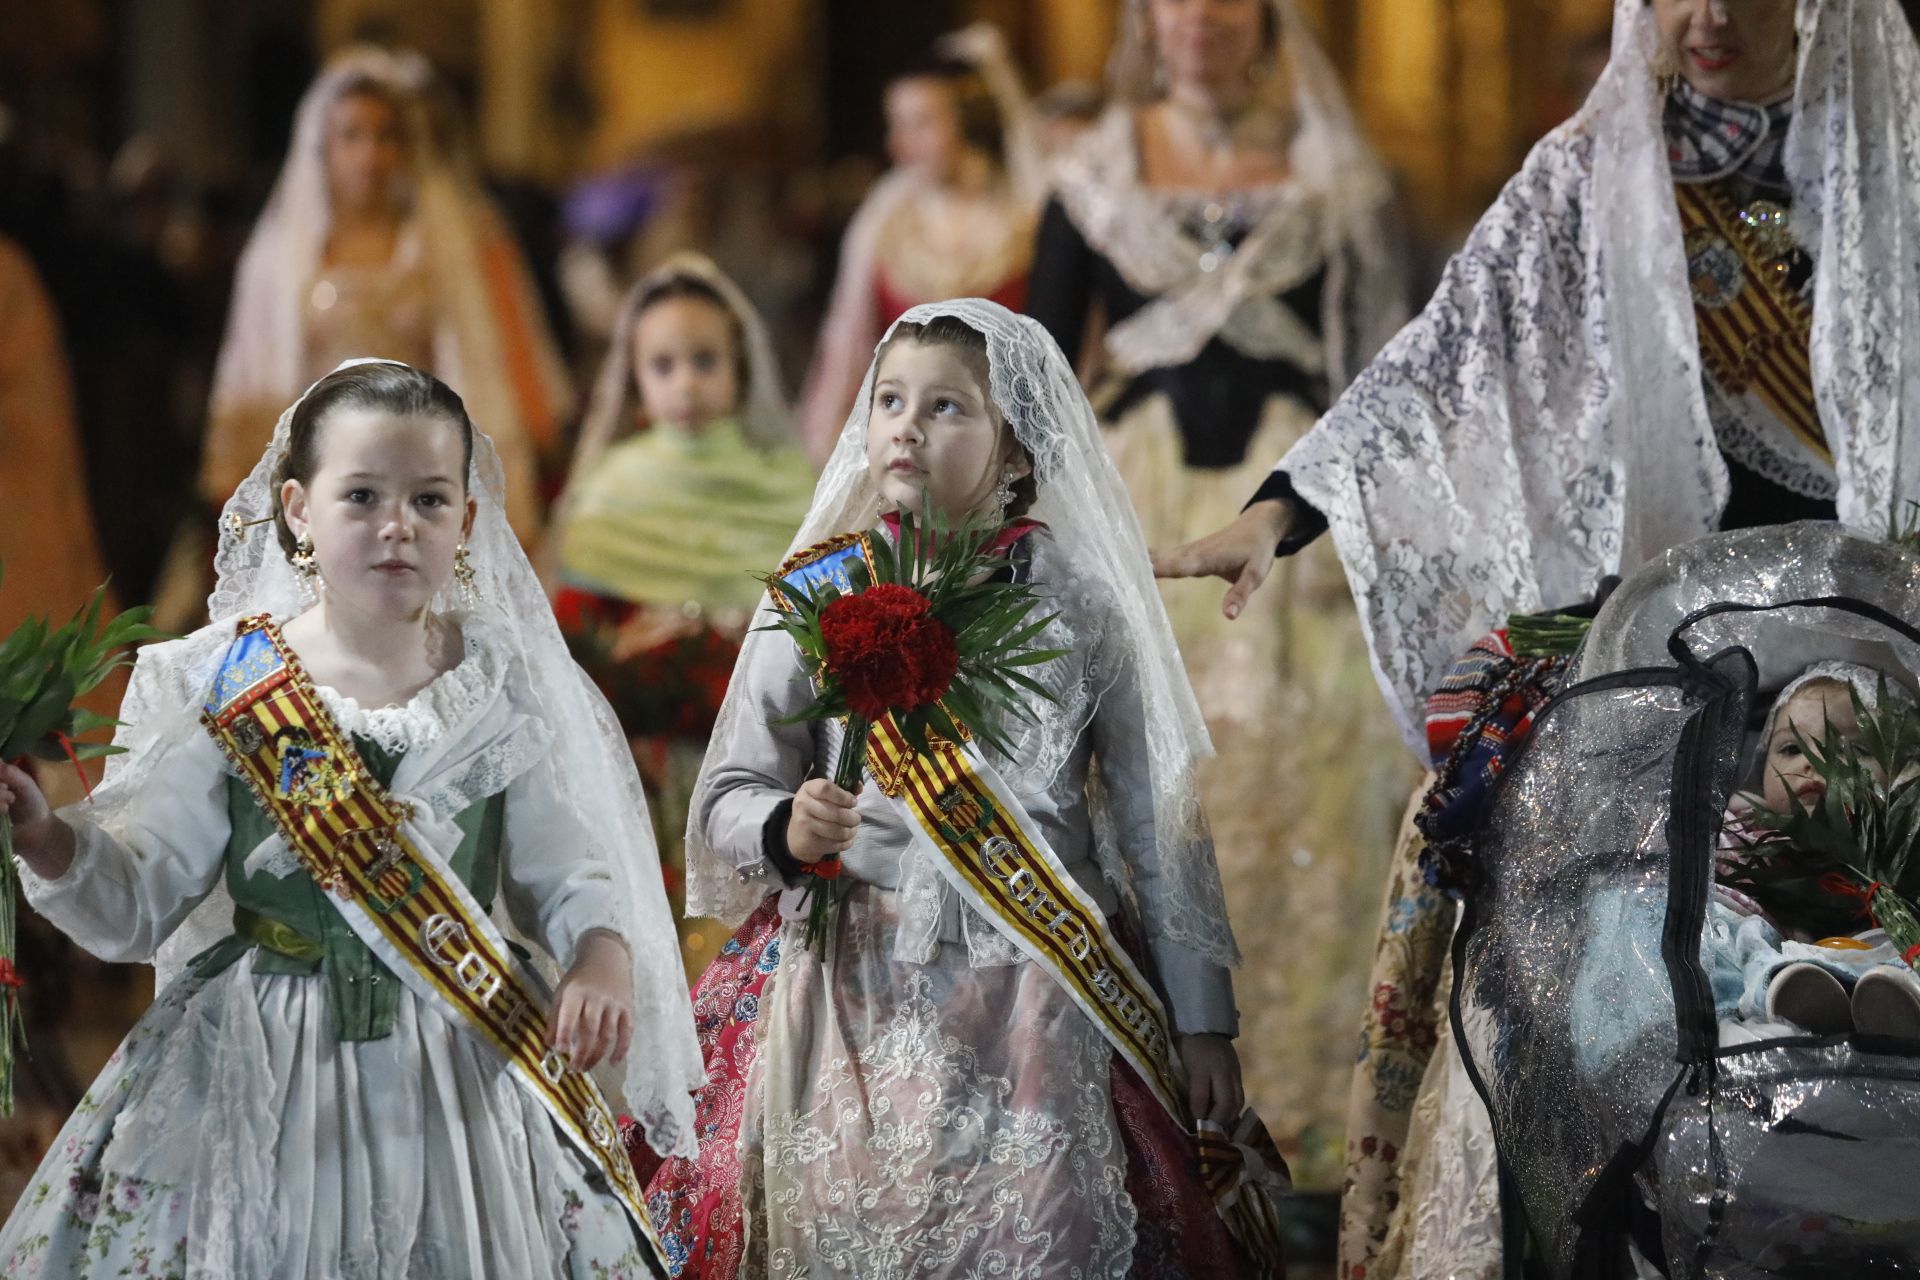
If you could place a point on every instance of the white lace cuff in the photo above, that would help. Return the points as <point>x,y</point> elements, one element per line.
<point>40,889</point>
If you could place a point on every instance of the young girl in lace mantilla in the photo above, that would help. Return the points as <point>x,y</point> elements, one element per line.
<point>685,476</point>
<point>925,1095</point>
<point>328,793</point>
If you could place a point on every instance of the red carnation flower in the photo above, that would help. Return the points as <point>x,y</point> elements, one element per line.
<point>887,650</point>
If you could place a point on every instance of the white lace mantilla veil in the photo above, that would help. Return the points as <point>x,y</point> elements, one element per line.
<point>1085,506</point>
<point>261,353</point>
<point>569,743</point>
<point>1543,422</point>
<point>765,415</point>
<point>1334,213</point>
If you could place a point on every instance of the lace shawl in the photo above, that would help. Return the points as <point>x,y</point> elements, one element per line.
<point>1331,214</point>
<point>1543,422</point>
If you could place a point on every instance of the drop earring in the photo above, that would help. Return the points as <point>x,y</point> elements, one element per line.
<point>464,575</point>
<point>306,568</point>
<point>1003,492</point>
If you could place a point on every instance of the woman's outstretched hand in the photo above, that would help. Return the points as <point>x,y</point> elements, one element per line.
<point>593,1009</point>
<point>1242,553</point>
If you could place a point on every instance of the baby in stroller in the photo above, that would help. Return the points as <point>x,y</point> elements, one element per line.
<point>1789,948</point>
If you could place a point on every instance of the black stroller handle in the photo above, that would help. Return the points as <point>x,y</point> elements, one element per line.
<point>1684,654</point>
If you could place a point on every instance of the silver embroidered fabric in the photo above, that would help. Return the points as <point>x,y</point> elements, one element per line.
<point>1543,422</point>
<point>937,1119</point>
<point>1091,523</point>
<point>1330,214</point>
<point>527,716</point>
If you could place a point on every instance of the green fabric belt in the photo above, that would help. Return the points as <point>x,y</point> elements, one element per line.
<point>275,935</point>
<point>298,931</point>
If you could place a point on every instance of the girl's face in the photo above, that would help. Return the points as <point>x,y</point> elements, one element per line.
<point>386,508</point>
<point>1734,50</point>
<point>685,363</point>
<point>924,133</point>
<point>366,153</point>
<point>1815,711</point>
<point>1207,43</point>
<point>933,432</point>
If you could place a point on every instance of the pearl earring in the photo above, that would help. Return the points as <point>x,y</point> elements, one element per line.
<point>306,568</point>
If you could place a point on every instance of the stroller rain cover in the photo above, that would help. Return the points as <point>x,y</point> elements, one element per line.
<point>1582,1004</point>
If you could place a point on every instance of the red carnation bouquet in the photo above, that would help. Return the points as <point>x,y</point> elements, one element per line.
<point>931,633</point>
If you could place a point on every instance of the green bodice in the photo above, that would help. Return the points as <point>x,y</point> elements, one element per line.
<point>298,928</point>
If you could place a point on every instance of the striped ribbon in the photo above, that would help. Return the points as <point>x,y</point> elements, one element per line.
<point>993,854</point>
<point>351,837</point>
<point>1759,339</point>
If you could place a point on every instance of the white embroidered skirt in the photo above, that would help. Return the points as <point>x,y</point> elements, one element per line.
<point>232,1136</point>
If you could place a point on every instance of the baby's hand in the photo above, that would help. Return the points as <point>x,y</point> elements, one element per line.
<point>1213,1078</point>
<point>593,1009</point>
<point>823,821</point>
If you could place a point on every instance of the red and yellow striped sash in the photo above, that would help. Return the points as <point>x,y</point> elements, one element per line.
<point>350,835</point>
<point>1004,868</point>
<point>1755,329</point>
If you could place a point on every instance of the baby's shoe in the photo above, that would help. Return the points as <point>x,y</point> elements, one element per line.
<point>1886,1002</point>
<point>1808,996</point>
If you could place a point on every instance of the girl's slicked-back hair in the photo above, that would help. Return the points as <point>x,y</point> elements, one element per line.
<point>399,389</point>
<point>970,345</point>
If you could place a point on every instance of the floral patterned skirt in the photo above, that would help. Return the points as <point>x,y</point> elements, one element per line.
<point>1421,1196</point>
<point>919,1120</point>
<point>231,1135</point>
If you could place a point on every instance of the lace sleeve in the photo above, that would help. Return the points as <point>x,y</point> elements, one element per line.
<point>1167,891</point>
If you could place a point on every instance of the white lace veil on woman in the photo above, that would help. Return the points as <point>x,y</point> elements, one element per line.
<point>491,342</point>
<point>1543,422</point>
<point>568,743</point>
<point>1332,167</point>
<point>1085,507</point>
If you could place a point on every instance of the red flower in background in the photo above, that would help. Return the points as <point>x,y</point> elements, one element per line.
<point>887,650</point>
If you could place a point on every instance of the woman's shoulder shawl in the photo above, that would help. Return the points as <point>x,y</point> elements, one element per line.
<point>1465,474</point>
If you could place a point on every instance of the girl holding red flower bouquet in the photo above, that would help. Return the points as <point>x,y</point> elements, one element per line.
<point>924,1093</point>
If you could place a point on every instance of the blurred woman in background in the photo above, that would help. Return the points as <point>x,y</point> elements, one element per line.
<point>953,218</point>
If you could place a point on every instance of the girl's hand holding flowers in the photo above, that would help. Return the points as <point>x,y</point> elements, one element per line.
<point>43,842</point>
<point>822,823</point>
